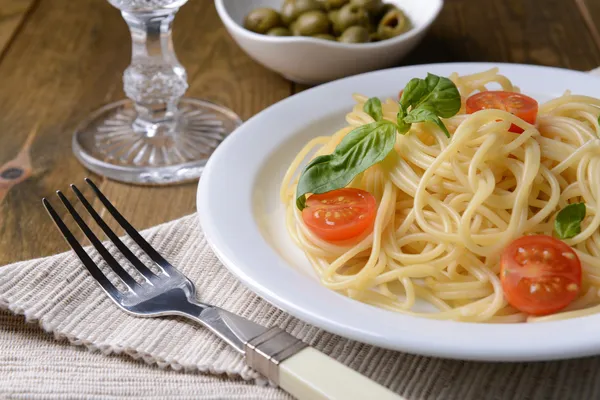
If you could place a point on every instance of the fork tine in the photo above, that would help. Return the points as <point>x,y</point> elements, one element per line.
<point>113,237</point>
<point>110,260</point>
<point>144,245</point>
<point>92,268</point>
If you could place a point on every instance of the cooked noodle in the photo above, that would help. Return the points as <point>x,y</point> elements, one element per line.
<point>448,206</point>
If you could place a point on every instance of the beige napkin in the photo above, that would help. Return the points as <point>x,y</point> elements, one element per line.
<point>57,293</point>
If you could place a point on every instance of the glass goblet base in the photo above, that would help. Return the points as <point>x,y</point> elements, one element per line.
<point>110,144</point>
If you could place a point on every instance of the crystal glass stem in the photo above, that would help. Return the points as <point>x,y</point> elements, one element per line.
<point>157,136</point>
<point>155,80</point>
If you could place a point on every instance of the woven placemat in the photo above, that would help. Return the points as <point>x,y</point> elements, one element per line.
<point>57,293</point>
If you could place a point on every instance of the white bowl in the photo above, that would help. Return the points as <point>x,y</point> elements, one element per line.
<point>311,61</point>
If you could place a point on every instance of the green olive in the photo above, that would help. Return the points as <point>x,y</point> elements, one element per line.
<point>292,9</point>
<point>333,16</point>
<point>350,15</point>
<point>355,34</point>
<point>374,37</point>
<point>279,31</point>
<point>262,20</point>
<point>325,36</point>
<point>335,4</point>
<point>386,8</point>
<point>392,24</point>
<point>311,23</point>
<point>373,7</point>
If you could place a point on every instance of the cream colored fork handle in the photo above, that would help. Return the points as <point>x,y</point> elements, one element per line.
<point>311,375</point>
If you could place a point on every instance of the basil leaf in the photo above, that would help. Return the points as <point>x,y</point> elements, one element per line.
<point>438,93</point>
<point>443,97</point>
<point>403,127</point>
<point>568,221</point>
<point>425,114</point>
<point>360,149</point>
<point>374,109</point>
<point>415,90</point>
<point>428,99</point>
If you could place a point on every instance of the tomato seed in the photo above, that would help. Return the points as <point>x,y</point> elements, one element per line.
<point>534,288</point>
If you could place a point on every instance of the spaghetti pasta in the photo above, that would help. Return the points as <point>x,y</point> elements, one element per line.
<point>448,206</point>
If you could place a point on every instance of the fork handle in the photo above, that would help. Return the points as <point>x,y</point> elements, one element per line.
<point>288,362</point>
<point>311,374</point>
<point>307,373</point>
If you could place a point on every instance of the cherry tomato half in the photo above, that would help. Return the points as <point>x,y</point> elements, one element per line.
<point>540,274</point>
<point>341,214</point>
<point>517,104</point>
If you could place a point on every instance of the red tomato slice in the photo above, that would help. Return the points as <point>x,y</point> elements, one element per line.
<point>341,214</point>
<point>540,274</point>
<point>517,104</point>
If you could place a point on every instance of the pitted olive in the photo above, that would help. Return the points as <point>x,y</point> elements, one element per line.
<point>335,4</point>
<point>392,24</point>
<point>279,31</point>
<point>262,20</point>
<point>355,34</point>
<point>311,23</point>
<point>350,15</point>
<point>373,7</point>
<point>292,9</point>
<point>324,36</point>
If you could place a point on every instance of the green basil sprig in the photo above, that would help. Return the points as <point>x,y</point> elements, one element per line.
<point>428,100</point>
<point>423,100</point>
<point>568,221</point>
<point>373,108</point>
<point>360,149</point>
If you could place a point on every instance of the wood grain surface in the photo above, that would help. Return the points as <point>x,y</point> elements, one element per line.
<point>590,10</point>
<point>12,14</point>
<point>61,59</point>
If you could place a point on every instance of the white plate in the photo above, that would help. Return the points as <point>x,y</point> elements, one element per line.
<point>240,213</point>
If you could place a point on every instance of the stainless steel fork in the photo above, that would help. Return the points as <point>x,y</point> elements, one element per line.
<point>283,359</point>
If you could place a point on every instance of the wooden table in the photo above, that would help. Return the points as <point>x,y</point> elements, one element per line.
<point>61,59</point>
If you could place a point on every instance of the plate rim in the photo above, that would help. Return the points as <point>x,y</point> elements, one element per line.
<point>520,342</point>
